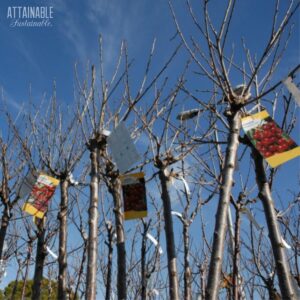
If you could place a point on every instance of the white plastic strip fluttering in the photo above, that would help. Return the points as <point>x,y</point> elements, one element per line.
<point>72,180</point>
<point>253,221</point>
<point>187,189</point>
<point>51,253</point>
<point>251,218</point>
<point>290,85</point>
<point>285,244</point>
<point>155,242</point>
<point>176,213</point>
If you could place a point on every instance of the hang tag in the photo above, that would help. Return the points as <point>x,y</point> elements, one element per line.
<point>271,142</point>
<point>134,196</point>
<point>41,193</point>
<point>122,148</point>
<point>27,184</point>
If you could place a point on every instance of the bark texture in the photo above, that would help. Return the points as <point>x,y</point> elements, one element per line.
<point>225,192</point>
<point>39,263</point>
<point>110,233</point>
<point>29,251</point>
<point>265,195</point>
<point>62,259</point>
<point>236,257</point>
<point>187,269</point>
<point>144,272</point>
<point>171,253</point>
<point>121,251</point>
<point>91,285</point>
<point>4,193</point>
<point>4,224</point>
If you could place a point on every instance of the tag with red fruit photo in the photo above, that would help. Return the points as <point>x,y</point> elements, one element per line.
<point>134,195</point>
<point>269,139</point>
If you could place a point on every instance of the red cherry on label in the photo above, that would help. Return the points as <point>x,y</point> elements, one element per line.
<point>257,135</point>
<point>273,148</point>
<point>268,154</point>
<point>281,148</point>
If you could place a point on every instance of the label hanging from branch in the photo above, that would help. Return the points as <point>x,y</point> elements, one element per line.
<point>41,193</point>
<point>122,148</point>
<point>134,196</point>
<point>271,142</point>
<point>27,184</point>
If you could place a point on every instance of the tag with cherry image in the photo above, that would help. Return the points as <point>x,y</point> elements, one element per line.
<point>269,139</point>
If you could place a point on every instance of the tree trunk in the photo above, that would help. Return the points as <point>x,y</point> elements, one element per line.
<point>39,263</point>
<point>202,271</point>
<point>4,224</point>
<point>225,192</point>
<point>187,269</point>
<point>93,226</point>
<point>236,255</point>
<point>282,266</point>
<point>121,251</point>
<point>5,200</point>
<point>62,259</point>
<point>172,268</point>
<point>26,269</point>
<point>110,233</point>
<point>143,264</point>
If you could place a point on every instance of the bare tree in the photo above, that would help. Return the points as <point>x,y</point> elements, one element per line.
<point>215,63</point>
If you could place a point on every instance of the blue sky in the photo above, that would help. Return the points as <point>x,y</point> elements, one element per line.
<point>32,58</point>
<point>37,56</point>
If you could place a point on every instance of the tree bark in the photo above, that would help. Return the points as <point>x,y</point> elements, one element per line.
<point>121,251</point>
<point>39,262</point>
<point>169,232</point>
<point>265,195</point>
<point>143,264</point>
<point>29,250</point>
<point>110,233</point>
<point>236,256</point>
<point>5,200</point>
<point>202,271</point>
<point>4,224</point>
<point>187,269</point>
<point>93,226</point>
<point>62,259</point>
<point>225,192</point>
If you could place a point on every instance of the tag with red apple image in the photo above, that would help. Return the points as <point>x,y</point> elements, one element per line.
<point>269,139</point>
